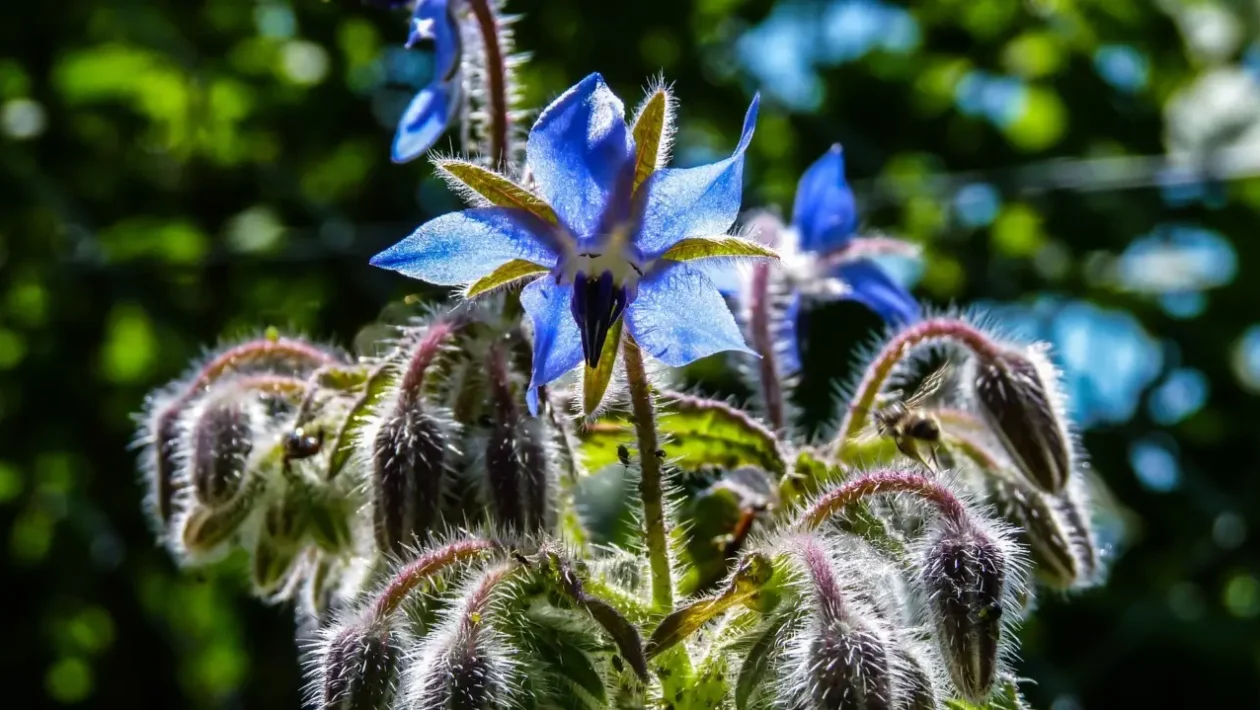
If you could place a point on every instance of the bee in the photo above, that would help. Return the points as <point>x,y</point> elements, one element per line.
<point>914,430</point>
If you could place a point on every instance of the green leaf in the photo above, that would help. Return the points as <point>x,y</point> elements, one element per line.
<point>496,189</point>
<point>360,414</point>
<point>650,128</point>
<point>717,247</point>
<point>595,379</point>
<point>757,662</point>
<point>699,433</point>
<point>514,270</point>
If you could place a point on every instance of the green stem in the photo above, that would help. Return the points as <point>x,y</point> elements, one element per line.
<point>650,478</point>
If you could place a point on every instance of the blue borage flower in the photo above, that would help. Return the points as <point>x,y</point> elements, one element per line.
<point>427,116</point>
<point>822,258</point>
<point>612,232</point>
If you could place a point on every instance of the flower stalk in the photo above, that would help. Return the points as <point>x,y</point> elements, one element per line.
<point>763,343</point>
<point>880,482</point>
<point>650,475</point>
<point>496,79</point>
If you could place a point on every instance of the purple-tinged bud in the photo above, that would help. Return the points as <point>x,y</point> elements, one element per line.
<point>846,663</point>
<point>408,458</point>
<point>462,665</point>
<point>359,669</point>
<point>1017,395</point>
<point>964,574</point>
<point>222,438</point>
<point>408,449</point>
<point>1039,525</point>
<point>517,476</point>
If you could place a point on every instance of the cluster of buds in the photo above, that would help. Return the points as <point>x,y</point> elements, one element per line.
<point>323,467</point>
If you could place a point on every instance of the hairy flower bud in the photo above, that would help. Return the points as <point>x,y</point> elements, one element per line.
<point>358,669</point>
<point>964,574</point>
<point>462,664</point>
<point>1073,506</point>
<point>222,438</point>
<point>1016,395</point>
<point>845,660</point>
<point>408,455</point>
<point>915,687</point>
<point>1040,525</point>
<point>517,479</point>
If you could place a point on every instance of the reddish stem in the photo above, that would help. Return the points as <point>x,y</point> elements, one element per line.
<point>423,567</point>
<point>763,342</point>
<point>425,352</point>
<point>882,482</point>
<point>496,79</point>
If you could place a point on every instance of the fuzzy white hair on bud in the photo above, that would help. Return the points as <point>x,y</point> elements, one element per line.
<point>465,661</point>
<point>971,578</point>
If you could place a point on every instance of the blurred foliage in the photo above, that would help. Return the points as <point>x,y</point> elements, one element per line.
<point>174,173</point>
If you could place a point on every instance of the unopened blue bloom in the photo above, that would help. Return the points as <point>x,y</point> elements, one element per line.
<point>427,116</point>
<point>607,254</point>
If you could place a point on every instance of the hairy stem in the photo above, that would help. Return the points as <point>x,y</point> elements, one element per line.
<point>650,480</point>
<point>933,329</point>
<point>496,79</point>
<point>763,342</point>
<point>882,482</point>
<point>423,567</point>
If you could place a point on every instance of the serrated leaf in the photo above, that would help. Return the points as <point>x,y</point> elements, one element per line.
<point>360,414</point>
<point>649,132</point>
<point>496,189</point>
<point>512,271</point>
<point>717,247</point>
<point>699,433</point>
<point>595,379</point>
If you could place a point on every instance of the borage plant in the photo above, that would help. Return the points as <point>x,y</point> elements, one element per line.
<point>418,503</point>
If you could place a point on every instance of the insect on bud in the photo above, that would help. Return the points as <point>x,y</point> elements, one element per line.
<point>359,668</point>
<point>408,455</point>
<point>1016,399</point>
<point>222,438</point>
<point>964,577</point>
<point>846,662</point>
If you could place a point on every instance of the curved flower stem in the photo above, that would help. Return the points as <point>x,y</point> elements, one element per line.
<point>496,79</point>
<point>650,477</point>
<point>885,482</point>
<point>763,342</point>
<point>425,566</point>
<point>933,329</point>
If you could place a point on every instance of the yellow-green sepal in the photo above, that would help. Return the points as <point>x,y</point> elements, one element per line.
<point>514,270</point>
<point>595,379</point>
<point>650,134</point>
<point>496,189</point>
<point>718,247</point>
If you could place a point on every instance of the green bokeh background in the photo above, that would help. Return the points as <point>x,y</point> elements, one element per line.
<point>173,173</point>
